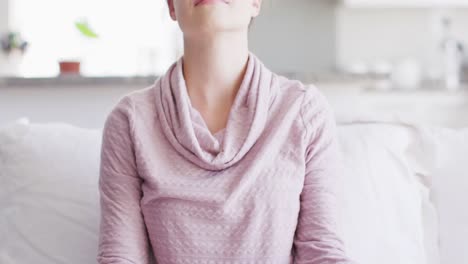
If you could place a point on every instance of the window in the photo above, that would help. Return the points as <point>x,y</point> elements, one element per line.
<point>136,37</point>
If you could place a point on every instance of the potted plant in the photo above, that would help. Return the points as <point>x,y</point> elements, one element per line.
<point>70,66</point>
<point>13,48</point>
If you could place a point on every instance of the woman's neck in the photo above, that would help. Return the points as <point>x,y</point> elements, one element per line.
<point>214,68</point>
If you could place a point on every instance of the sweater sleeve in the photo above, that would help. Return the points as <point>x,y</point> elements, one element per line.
<point>317,239</point>
<point>122,235</point>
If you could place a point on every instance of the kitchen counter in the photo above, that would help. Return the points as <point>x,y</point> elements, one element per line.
<point>79,80</point>
<point>430,105</point>
<point>85,101</point>
<point>76,80</point>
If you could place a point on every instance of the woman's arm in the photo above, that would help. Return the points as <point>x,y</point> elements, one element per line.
<point>122,237</point>
<point>317,240</point>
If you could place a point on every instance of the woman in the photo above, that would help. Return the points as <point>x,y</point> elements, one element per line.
<point>221,160</point>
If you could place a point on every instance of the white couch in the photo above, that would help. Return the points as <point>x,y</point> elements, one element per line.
<point>404,196</point>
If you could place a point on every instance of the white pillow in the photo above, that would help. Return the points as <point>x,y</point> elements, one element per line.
<point>49,206</point>
<point>383,204</point>
<point>443,161</point>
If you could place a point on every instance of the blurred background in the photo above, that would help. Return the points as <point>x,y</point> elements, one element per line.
<point>406,60</point>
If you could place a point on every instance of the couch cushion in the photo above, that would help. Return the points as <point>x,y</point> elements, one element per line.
<point>48,193</point>
<point>442,159</point>
<point>386,213</point>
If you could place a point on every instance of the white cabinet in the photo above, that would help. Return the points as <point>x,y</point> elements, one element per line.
<point>431,107</point>
<point>405,3</point>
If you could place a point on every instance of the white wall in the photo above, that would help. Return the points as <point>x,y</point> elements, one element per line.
<point>302,36</point>
<point>85,106</point>
<point>295,36</point>
<point>290,36</point>
<point>4,8</point>
<point>370,34</point>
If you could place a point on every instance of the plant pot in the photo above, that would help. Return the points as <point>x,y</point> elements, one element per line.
<point>69,67</point>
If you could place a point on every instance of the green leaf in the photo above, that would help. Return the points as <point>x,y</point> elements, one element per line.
<point>84,28</point>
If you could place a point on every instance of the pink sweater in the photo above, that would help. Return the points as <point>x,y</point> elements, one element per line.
<point>260,191</point>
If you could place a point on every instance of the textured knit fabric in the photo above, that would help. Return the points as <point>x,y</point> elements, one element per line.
<point>262,190</point>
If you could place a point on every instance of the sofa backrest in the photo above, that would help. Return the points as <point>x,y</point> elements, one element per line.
<point>49,206</point>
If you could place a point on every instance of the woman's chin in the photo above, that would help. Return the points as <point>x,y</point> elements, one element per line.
<point>210,24</point>
<point>213,30</point>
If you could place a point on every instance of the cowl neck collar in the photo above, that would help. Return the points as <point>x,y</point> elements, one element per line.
<point>187,132</point>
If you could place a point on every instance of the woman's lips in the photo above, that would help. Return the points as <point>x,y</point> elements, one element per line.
<point>202,2</point>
